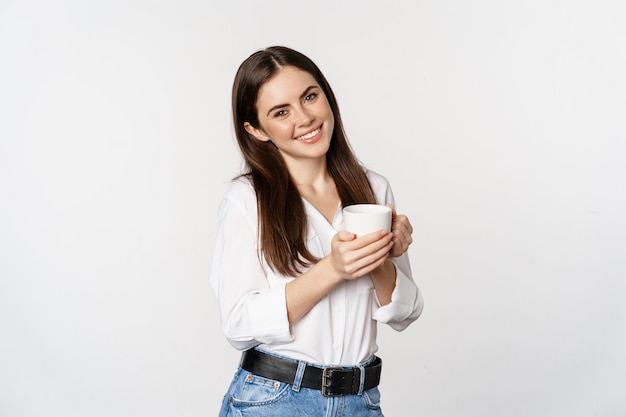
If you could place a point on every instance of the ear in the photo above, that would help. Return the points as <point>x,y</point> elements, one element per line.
<point>257,133</point>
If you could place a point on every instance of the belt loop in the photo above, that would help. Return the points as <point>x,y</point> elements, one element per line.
<point>299,374</point>
<point>362,381</point>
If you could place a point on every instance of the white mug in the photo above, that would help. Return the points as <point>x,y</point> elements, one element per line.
<point>362,219</point>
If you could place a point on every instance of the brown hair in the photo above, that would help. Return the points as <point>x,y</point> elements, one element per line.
<point>282,218</point>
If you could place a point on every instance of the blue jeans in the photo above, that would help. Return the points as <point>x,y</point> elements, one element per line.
<point>250,395</point>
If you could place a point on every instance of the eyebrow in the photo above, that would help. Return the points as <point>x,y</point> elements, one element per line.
<point>304,94</point>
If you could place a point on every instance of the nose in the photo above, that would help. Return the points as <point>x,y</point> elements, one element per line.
<point>305,117</point>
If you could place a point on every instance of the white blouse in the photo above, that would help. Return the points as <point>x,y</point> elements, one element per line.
<point>340,329</point>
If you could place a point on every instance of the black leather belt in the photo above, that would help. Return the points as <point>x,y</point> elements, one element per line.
<point>332,381</point>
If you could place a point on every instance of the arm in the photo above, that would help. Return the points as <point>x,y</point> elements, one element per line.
<point>251,300</point>
<point>350,258</point>
<point>384,277</point>
<point>258,306</point>
<point>399,301</point>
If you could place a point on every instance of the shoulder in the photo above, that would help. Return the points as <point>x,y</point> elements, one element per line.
<point>240,193</point>
<point>375,179</point>
<point>240,187</point>
<point>380,186</point>
<point>378,182</point>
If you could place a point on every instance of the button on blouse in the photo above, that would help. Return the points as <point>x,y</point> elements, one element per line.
<point>338,330</point>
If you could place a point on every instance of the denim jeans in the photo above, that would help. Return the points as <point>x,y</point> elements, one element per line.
<point>250,395</point>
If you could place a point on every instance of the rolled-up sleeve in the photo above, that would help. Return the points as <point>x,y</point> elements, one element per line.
<point>406,299</point>
<point>252,311</point>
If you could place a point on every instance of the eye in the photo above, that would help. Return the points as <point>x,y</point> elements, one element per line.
<point>280,113</point>
<point>310,97</point>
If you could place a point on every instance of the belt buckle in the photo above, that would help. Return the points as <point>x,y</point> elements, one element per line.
<point>325,384</point>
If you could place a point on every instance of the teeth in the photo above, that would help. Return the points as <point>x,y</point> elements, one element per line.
<point>309,135</point>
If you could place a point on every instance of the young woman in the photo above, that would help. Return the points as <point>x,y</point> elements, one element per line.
<point>298,295</point>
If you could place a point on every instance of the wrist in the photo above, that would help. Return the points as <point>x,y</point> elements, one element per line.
<point>384,280</point>
<point>329,272</point>
<point>385,270</point>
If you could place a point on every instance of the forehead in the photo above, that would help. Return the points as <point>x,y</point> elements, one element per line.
<point>287,85</point>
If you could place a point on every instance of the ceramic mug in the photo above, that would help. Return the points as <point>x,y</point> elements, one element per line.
<point>362,219</point>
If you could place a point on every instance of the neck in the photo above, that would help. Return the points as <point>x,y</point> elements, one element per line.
<point>308,172</point>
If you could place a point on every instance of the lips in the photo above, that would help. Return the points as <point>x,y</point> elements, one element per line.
<point>309,136</point>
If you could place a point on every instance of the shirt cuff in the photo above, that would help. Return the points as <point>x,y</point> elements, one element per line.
<point>268,316</point>
<point>405,305</point>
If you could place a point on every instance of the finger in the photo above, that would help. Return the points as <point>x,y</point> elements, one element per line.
<point>344,236</point>
<point>403,232</point>
<point>402,222</point>
<point>348,256</point>
<point>373,241</point>
<point>366,240</point>
<point>401,244</point>
<point>368,263</point>
<point>353,253</point>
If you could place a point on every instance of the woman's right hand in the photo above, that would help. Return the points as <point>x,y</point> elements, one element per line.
<point>353,257</point>
<point>350,258</point>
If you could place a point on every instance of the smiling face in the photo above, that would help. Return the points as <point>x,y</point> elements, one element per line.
<point>294,115</point>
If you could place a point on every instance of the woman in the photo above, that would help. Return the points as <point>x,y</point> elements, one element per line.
<point>297,294</point>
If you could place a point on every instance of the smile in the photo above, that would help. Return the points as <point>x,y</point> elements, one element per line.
<point>309,135</point>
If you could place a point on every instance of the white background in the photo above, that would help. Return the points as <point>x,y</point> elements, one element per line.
<point>500,124</point>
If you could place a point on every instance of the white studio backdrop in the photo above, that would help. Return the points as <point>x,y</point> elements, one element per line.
<point>500,125</point>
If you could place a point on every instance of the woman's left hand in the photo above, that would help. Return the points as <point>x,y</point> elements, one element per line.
<point>402,230</point>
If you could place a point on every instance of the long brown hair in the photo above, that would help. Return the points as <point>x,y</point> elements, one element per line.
<point>282,218</point>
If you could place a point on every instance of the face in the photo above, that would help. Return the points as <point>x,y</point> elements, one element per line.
<point>294,115</point>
